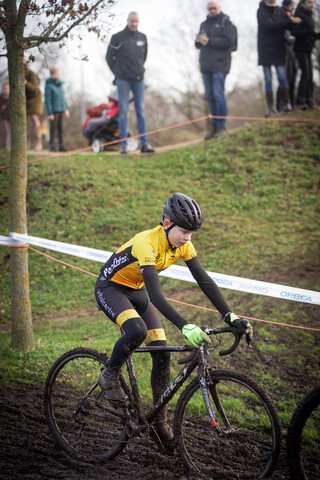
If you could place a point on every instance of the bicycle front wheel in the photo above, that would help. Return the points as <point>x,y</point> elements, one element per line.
<point>248,446</point>
<point>79,417</point>
<point>303,439</point>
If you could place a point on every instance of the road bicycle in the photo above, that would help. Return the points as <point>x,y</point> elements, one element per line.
<point>224,424</point>
<point>303,438</point>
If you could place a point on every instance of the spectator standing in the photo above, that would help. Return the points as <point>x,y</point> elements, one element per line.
<point>272,25</point>
<point>305,39</point>
<point>34,105</point>
<point>56,107</point>
<point>216,40</point>
<point>5,111</point>
<point>126,55</point>
<point>291,62</point>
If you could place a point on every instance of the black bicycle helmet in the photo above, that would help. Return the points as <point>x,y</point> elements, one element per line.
<point>183,211</point>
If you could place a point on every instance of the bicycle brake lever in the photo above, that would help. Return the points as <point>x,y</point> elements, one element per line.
<point>206,349</point>
<point>248,340</point>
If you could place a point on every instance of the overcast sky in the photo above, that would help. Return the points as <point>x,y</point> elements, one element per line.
<point>170,26</point>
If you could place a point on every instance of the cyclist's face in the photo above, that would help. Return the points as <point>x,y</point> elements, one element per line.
<point>177,236</point>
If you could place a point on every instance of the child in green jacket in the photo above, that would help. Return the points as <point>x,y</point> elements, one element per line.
<point>56,107</point>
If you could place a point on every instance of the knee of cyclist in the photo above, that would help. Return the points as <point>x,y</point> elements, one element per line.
<point>136,329</point>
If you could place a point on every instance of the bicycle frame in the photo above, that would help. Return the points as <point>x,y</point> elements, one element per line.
<point>176,383</point>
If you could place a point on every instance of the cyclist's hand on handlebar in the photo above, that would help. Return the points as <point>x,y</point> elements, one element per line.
<point>241,324</point>
<point>195,335</point>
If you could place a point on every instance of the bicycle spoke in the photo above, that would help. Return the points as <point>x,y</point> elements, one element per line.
<point>248,444</point>
<point>81,420</point>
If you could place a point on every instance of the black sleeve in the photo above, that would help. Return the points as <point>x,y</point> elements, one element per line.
<point>208,286</point>
<point>112,53</point>
<point>152,283</point>
<point>199,45</point>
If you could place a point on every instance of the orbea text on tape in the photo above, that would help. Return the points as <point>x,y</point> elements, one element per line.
<point>174,271</point>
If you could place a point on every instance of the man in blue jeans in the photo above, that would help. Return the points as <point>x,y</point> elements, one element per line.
<point>126,55</point>
<point>216,39</point>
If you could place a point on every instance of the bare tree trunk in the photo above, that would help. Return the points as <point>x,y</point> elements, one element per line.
<point>22,331</point>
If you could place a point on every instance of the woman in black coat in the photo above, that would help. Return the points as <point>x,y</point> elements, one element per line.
<point>272,25</point>
<point>305,39</point>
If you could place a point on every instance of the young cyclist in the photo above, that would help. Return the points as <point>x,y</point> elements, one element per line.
<point>128,291</point>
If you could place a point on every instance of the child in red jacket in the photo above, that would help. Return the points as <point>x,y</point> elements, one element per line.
<point>5,112</point>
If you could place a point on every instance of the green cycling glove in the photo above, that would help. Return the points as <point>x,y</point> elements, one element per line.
<point>195,335</point>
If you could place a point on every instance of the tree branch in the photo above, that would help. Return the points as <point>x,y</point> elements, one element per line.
<point>36,40</point>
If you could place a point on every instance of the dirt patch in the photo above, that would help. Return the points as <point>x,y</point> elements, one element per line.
<point>28,451</point>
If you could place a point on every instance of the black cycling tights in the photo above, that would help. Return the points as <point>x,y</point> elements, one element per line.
<point>134,332</point>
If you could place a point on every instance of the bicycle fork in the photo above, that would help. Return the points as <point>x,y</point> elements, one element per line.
<point>205,384</point>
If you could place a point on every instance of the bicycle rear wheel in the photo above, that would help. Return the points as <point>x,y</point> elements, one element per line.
<point>303,439</point>
<point>249,444</point>
<point>79,417</point>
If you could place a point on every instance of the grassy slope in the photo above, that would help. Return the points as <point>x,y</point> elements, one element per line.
<point>258,188</point>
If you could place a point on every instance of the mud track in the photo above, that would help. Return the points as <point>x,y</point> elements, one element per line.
<point>28,450</point>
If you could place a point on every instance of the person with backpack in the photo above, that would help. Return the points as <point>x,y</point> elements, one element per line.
<point>216,40</point>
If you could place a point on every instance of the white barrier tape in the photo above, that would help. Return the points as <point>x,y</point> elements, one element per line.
<point>177,272</point>
<point>8,241</point>
<point>249,286</point>
<point>76,250</point>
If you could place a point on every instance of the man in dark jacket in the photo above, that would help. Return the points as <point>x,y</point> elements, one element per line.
<point>272,25</point>
<point>126,55</point>
<point>305,39</point>
<point>216,40</point>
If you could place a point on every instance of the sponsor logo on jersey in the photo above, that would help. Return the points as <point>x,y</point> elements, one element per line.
<point>117,261</point>
<point>148,260</point>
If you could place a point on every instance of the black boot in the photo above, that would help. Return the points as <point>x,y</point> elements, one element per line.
<point>284,95</point>
<point>110,385</point>
<point>160,379</point>
<point>270,108</point>
<point>212,132</point>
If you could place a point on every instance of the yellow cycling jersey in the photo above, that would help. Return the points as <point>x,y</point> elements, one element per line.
<point>146,248</point>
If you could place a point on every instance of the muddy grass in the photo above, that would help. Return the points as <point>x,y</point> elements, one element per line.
<point>28,450</point>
